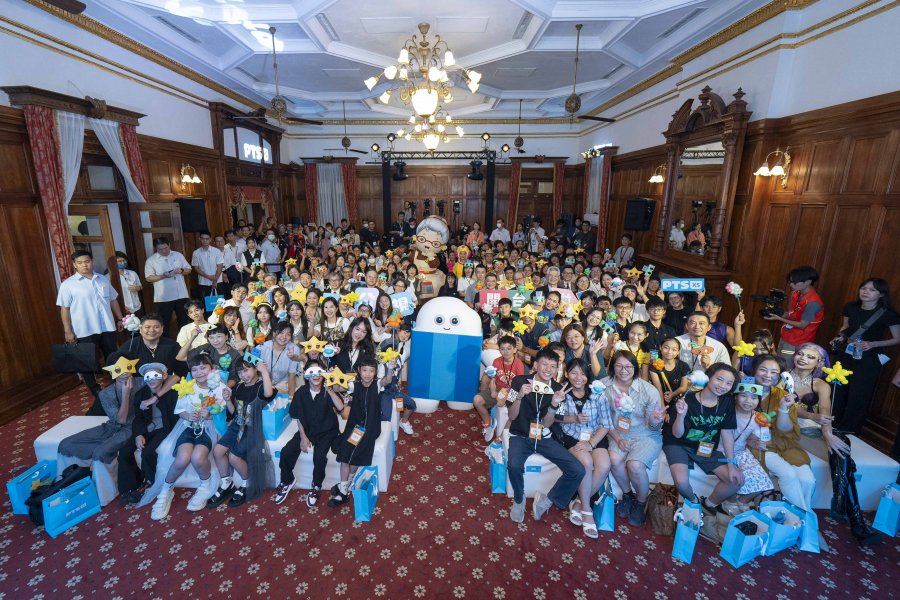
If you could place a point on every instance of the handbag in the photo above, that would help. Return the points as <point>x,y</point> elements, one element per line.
<point>787,525</point>
<point>887,519</point>
<point>661,509</point>
<point>688,521</point>
<point>605,510</point>
<point>21,486</point>
<point>365,493</point>
<point>739,547</point>
<point>80,357</point>
<point>70,506</point>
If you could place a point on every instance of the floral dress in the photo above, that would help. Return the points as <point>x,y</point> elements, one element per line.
<point>756,479</point>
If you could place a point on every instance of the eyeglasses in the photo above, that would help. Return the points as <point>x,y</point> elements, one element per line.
<point>625,367</point>
<point>423,240</point>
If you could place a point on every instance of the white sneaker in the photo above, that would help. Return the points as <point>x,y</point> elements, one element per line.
<point>163,503</point>
<point>517,512</point>
<point>406,426</point>
<point>203,493</point>
<point>489,432</point>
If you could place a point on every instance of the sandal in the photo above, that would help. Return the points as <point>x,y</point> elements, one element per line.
<point>575,515</point>
<point>590,529</point>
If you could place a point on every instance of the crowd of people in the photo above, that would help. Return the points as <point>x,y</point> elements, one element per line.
<point>590,363</point>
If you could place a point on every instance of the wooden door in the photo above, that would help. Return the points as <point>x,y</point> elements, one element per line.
<point>90,229</point>
<point>153,220</point>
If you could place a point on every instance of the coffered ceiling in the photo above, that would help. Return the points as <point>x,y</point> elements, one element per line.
<point>523,48</point>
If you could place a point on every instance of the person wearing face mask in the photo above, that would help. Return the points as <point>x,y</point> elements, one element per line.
<point>131,284</point>
<point>500,234</point>
<point>676,235</point>
<point>273,254</point>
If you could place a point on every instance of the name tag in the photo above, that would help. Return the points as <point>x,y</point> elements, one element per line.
<point>705,449</point>
<point>535,431</point>
<point>357,435</point>
<point>623,423</point>
<point>765,434</point>
<point>398,402</point>
<point>585,435</point>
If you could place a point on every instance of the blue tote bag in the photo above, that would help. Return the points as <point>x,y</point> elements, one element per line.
<point>689,520</point>
<point>365,493</point>
<point>787,525</point>
<point>605,510</point>
<point>274,422</point>
<point>70,506</point>
<point>887,519</point>
<point>20,487</point>
<point>739,548</point>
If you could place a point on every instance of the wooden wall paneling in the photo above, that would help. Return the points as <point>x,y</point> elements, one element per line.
<point>821,165</point>
<point>862,165</point>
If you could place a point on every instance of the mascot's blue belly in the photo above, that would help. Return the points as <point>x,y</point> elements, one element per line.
<point>444,366</point>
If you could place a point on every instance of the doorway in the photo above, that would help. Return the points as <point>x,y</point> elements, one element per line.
<point>90,228</point>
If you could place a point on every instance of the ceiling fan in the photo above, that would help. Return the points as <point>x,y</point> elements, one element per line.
<point>519,141</point>
<point>70,6</point>
<point>573,102</point>
<point>345,141</point>
<point>278,105</point>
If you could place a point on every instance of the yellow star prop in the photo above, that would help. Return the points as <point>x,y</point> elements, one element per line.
<point>578,307</point>
<point>123,365</point>
<point>351,298</point>
<point>290,261</point>
<point>579,250</point>
<point>505,284</point>
<point>321,299</point>
<point>338,378</point>
<point>389,253</point>
<point>257,300</point>
<point>313,344</point>
<point>388,355</point>
<point>528,312</point>
<point>565,310</point>
<point>299,294</point>
<point>184,387</point>
<point>520,327</point>
<point>837,373</point>
<point>745,349</point>
<point>633,272</point>
<point>541,263</point>
<point>529,285</point>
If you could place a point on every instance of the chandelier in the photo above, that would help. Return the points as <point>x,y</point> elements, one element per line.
<point>421,77</point>
<point>430,130</point>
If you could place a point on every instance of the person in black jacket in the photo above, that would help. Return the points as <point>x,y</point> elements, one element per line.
<point>317,424</point>
<point>154,418</point>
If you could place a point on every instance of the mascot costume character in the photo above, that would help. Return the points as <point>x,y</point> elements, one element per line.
<point>432,235</point>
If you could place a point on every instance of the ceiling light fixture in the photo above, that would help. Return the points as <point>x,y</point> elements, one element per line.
<point>430,130</point>
<point>421,76</point>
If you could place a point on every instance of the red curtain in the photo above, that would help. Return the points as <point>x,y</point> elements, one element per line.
<point>44,141</point>
<point>559,186</point>
<point>133,156</point>
<point>348,174</point>
<point>515,174</point>
<point>585,186</point>
<point>603,194</point>
<point>311,183</point>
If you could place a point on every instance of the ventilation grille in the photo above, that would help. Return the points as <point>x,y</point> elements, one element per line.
<point>177,29</point>
<point>614,71</point>
<point>522,27</point>
<point>328,27</point>
<point>680,23</point>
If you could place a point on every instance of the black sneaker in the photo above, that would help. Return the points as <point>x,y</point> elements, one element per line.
<point>338,499</point>
<point>221,495</point>
<point>637,518</point>
<point>312,497</point>
<point>282,492</point>
<point>712,509</point>
<point>131,497</point>
<point>237,498</point>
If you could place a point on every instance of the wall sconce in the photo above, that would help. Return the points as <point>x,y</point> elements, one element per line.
<point>188,175</point>
<point>658,176</point>
<point>779,169</point>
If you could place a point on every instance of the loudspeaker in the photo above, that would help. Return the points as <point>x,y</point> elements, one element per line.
<point>193,215</point>
<point>639,214</point>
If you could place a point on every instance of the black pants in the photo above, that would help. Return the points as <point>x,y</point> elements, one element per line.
<point>165,310</point>
<point>130,474</point>
<point>291,452</point>
<point>106,342</point>
<point>851,403</point>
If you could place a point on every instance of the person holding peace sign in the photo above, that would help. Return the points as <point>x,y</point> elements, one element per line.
<point>532,404</point>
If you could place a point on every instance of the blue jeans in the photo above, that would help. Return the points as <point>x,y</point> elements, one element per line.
<point>572,470</point>
<point>387,401</point>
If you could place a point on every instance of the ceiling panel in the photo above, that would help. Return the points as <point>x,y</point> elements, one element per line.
<point>553,70</point>
<point>567,29</point>
<point>646,33</point>
<point>209,37</point>
<point>306,72</point>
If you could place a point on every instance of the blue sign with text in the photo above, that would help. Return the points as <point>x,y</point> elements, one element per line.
<point>683,285</point>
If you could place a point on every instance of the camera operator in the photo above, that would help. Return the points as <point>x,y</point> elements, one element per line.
<point>805,311</point>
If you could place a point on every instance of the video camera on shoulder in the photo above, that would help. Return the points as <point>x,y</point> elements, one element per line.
<point>772,301</point>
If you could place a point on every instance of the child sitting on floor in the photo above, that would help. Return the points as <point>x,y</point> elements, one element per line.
<point>191,440</point>
<point>362,409</point>
<point>243,446</point>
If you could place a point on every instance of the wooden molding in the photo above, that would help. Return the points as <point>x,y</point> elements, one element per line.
<point>91,107</point>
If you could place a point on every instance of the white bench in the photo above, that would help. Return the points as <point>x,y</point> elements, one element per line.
<point>541,474</point>
<point>46,445</point>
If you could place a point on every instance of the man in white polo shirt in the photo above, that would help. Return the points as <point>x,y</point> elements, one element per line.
<point>90,313</point>
<point>208,262</point>
<point>695,344</point>
<point>166,269</point>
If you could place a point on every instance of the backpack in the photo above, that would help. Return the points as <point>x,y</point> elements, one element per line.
<point>35,502</point>
<point>660,507</point>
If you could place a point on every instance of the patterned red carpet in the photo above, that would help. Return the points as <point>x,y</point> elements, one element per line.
<point>437,533</point>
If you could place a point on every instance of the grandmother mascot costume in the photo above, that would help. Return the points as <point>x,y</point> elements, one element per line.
<point>447,335</point>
